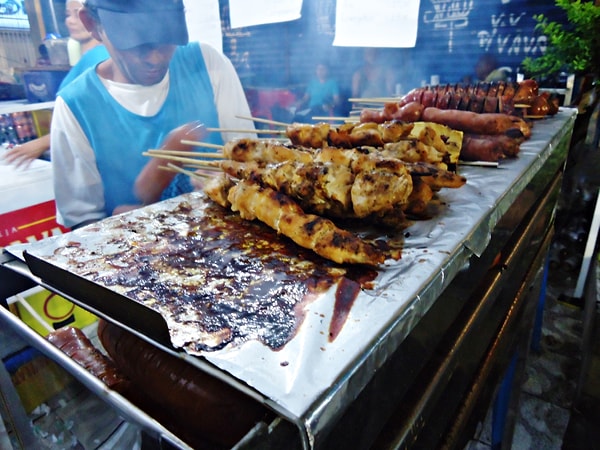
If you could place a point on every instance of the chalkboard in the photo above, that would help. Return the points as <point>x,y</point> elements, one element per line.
<point>452,36</point>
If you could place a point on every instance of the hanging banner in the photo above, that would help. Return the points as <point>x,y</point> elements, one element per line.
<point>244,13</point>
<point>204,22</point>
<point>376,23</point>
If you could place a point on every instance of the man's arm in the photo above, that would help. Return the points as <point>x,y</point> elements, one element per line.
<point>78,189</point>
<point>22,155</point>
<point>230,97</point>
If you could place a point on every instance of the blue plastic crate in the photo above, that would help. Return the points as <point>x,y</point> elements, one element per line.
<point>42,85</point>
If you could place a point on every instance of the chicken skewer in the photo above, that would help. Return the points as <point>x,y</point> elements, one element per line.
<point>446,142</point>
<point>330,189</point>
<point>285,216</point>
<point>246,150</point>
<point>389,210</point>
<point>281,213</point>
<point>266,152</point>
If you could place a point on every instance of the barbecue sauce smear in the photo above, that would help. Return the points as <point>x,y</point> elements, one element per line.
<point>222,279</point>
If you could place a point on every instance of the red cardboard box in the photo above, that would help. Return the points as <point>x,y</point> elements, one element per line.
<point>29,224</point>
<point>27,214</point>
<point>27,209</point>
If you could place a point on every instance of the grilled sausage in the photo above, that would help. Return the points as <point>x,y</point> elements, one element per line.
<point>201,409</point>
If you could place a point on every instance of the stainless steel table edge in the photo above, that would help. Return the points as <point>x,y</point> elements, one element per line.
<point>112,398</point>
<point>331,405</point>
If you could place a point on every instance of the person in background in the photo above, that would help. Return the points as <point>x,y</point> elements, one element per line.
<point>487,70</point>
<point>155,90</point>
<point>92,53</point>
<point>374,79</point>
<point>322,96</point>
<point>44,56</point>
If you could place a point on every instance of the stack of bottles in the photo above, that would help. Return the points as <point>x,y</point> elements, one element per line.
<point>17,128</point>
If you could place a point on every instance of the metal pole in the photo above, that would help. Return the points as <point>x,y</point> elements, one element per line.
<point>588,254</point>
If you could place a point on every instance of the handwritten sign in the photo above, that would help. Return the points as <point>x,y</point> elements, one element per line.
<point>204,22</point>
<point>449,15</point>
<point>243,13</point>
<point>376,23</point>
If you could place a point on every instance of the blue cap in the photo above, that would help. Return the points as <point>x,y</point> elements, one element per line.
<point>131,23</point>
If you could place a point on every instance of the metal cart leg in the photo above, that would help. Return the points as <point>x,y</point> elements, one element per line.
<point>500,408</point>
<point>536,335</point>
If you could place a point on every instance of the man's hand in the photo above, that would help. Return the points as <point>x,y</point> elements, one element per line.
<point>153,179</point>
<point>22,155</point>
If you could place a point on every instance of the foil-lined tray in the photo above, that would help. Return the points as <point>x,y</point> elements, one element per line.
<point>331,334</point>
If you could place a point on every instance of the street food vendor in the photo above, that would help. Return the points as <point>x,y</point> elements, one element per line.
<point>154,82</point>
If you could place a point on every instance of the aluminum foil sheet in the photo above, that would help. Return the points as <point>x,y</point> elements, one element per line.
<point>312,378</point>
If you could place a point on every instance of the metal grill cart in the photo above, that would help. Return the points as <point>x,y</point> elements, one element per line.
<point>419,358</point>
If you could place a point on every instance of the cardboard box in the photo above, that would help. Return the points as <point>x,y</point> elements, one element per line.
<point>32,223</point>
<point>36,378</point>
<point>41,85</point>
<point>41,121</point>
<point>27,210</point>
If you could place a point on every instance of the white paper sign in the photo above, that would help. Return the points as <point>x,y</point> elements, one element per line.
<point>245,13</point>
<point>204,22</point>
<point>376,23</point>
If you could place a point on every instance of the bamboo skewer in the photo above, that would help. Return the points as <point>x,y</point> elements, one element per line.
<point>181,159</point>
<point>216,155</point>
<point>479,163</point>
<point>200,144</point>
<point>330,118</point>
<point>226,130</point>
<point>173,168</point>
<point>269,122</point>
<point>177,153</point>
<point>374,100</point>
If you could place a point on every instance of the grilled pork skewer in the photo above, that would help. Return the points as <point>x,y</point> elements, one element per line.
<point>330,189</point>
<point>246,150</point>
<point>285,216</point>
<point>403,134</point>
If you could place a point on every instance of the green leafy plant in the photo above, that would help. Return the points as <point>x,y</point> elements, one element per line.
<point>572,47</point>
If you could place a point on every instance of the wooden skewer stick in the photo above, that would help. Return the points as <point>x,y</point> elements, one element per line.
<point>174,168</point>
<point>209,155</point>
<point>225,130</point>
<point>479,163</point>
<point>160,151</point>
<point>374,100</point>
<point>332,119</point>
<point>154,152</point>
<point>189,161</point>
<point>201,144</point>
<point>204,165</point>
<point>270,122</point>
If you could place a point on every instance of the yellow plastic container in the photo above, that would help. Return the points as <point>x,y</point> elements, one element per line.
<point>46,311</point>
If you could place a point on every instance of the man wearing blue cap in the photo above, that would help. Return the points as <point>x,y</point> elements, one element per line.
<point>154,82</point>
